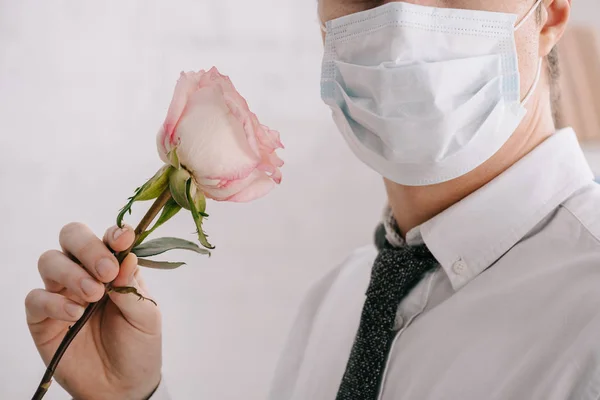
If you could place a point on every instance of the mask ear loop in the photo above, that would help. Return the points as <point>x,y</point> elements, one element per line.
<point>540,63</point>
<point>534,85</point>
<point>528,15</point>
<point>322,25</point>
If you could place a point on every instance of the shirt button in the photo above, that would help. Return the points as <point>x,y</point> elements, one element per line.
<point>459,267</point>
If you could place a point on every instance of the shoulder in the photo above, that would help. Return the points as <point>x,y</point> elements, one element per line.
<point>352,272</point>
<point>344,280</point>
<point>319,297</point>
<point>352,269</point>
<point>576,262</point>
<point>584,208</point>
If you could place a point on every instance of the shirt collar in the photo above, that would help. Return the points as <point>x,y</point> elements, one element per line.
<point>472,234</point>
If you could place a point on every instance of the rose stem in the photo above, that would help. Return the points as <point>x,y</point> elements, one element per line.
<point>159,203</point>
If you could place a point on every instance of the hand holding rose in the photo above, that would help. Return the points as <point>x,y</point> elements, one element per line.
<point>214,147</point>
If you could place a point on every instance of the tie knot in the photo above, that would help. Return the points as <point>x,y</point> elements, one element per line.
<point>403,266</point>
<point>418,253</point>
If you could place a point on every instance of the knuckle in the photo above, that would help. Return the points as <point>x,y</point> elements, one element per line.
<point>92,251</point>
<point>89,249</point>
<point>50,308</point>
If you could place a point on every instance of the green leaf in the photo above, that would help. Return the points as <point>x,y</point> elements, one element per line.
<point>126,208</point>
<point>177,182</point>
<point>174,159</point>
<point>161,245</point>
<point>143,262</point>
<point>170,209</point>
<point>156,185</point>
<point>148,191</point>
<point>202,237</point>
<point>200,203</point>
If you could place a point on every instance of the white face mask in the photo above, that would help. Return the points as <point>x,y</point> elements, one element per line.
<point>424,95</point>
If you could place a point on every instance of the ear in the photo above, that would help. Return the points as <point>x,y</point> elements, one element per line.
<point>555,16</point>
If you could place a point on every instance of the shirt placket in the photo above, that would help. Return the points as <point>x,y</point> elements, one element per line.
<point>424,292</point>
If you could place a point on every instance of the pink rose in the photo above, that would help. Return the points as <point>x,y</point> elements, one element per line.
<point>218,140</point>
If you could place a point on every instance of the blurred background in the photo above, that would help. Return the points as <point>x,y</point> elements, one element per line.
<point>84,87</point>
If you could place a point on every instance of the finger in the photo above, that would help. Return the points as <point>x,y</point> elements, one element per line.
<point>119,239</point>
<point>58,271</point>
<point>41,305</point>
<point>126,274</point>
<point>142,314</point>
<point>127,271</point>
<point>137,275</point>
<point>79,241</point>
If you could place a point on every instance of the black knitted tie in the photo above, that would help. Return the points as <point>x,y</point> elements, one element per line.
<point>395,272</point>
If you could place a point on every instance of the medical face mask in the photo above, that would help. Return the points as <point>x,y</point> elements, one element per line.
<point>424,95</point>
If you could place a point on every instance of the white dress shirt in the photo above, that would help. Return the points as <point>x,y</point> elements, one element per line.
<point>511,313</point>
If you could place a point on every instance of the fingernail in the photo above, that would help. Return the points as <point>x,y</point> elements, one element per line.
<point>89,286</point>
<point>106,268</point>
<point>74,310</point>
<point>118,233</point>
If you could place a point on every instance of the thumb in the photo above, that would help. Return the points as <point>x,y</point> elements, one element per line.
<point>141,313</point>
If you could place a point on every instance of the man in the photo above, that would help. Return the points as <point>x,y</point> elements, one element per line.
<point>486,284</point>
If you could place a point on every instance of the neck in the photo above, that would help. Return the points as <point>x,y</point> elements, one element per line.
<point>414,205</point>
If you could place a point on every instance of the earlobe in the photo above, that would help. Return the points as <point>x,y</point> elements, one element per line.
<point>555,16</point>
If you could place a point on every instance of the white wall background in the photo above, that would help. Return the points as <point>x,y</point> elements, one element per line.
<point>83,89</point>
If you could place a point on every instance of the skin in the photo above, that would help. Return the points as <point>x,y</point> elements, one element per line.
<point>118,353</point>
<point>413,205</point>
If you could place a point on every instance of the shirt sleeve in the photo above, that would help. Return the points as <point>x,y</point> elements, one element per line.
<point>290,361</point>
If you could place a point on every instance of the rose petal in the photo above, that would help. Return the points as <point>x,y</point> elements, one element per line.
<point>213,144</point>
<point>236,103</point>
<point>228,188</point>
<point>269,138</point>
<point>258,188</point>
<point>213,77</point>
<point>275,160</point>
<point>186,85</point>
<point>276,176</point>
<point>251,135</point>
<point>160,144</point>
